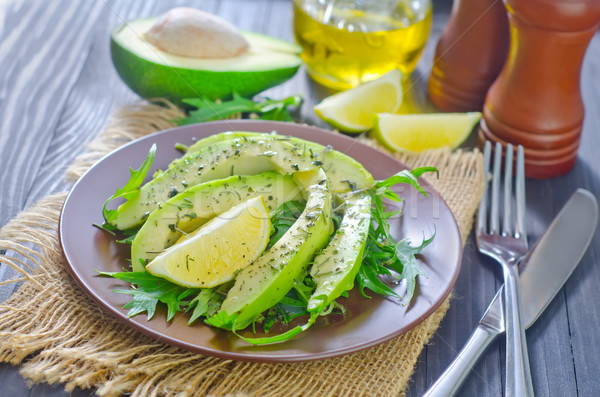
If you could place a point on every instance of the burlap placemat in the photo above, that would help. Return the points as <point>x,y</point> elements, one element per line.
<point>57,334</point>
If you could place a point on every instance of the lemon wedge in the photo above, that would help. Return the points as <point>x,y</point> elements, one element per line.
<point>417,132</point>
<point>214,253</point>
<point>354,110</point>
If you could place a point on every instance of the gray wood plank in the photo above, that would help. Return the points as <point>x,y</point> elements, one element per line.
<point>581,291</point>
<point>577,342</point>
<point>39,68</point>
<point>42,66</point>
<point>93,97</point>
<point>12,383</point>
<point>72,89</point>
<point>95,91</point>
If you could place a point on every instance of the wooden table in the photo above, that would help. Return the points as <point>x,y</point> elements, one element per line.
<point>58,87</point>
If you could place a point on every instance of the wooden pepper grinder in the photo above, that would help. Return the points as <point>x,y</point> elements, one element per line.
<point>536,100</point>
<point>469,55</point>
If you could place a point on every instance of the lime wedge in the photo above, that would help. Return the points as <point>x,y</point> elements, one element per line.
<point>417,132</point>
<point>215,252</point>
<point>354,110</point>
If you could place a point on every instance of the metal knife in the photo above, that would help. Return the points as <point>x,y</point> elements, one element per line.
<point>547,267</point>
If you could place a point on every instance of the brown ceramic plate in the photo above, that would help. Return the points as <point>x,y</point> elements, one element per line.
<point>368,321</point>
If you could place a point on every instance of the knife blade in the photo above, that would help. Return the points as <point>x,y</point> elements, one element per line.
<point>546,268</point>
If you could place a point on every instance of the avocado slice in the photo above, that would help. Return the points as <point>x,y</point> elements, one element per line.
<point>265,282</point>
<point>197,205</point>
<point>335,268</point>
<point>245,156</point>
<point>344,174</point>
<point>151,72</point>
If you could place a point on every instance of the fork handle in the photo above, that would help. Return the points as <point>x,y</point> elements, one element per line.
<point>518,373</point>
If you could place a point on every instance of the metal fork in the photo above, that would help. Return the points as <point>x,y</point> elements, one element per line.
<point>508,246</point>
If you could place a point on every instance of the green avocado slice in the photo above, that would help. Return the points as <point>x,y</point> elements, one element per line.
<point>151,72</point>
<point>197,205</point>
<point>265,282</point>
<point>238,156</point>
<point>344,174</point>
<point>335,268</point>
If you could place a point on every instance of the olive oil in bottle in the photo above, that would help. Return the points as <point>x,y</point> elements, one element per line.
<point>346,43</point>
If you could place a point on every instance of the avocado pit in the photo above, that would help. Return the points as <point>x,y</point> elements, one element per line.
<point>192,33</point>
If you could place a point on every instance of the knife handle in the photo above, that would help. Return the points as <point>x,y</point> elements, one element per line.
<point>451,380</point>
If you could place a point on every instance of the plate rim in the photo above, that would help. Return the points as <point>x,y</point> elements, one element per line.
<point>229,125</point>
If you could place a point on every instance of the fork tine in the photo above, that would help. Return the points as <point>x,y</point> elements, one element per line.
<point>482,214</point>
<point>507,213</point>
<point>495,211</point>
<point>520,227</point>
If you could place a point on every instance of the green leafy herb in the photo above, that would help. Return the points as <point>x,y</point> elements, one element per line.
<point>292,305</point>
<point>405,255</point>
<point>221,320</point>
<point>265,109</point>
<point>274,109</point>
<point>281,337</point>
<point>369,272</point>
<point>148,290</point>
<point>384,257</point>
<point>382,252</point>
<point>283,218</point>
<point>129,236</point>
<point>207,302</point>
<point>131,188</point>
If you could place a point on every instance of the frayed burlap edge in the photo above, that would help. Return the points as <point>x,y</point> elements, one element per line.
<point>57,334</point>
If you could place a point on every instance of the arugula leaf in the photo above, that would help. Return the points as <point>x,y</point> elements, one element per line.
<point>404,176</point>
<point>281,337</point>
<point>129,236</point>
<point>149,290</point>
<point>273,109</point>
<point>410,268</point>
<point>265,109</point>
<point>222,320</point>
<point>283,218</point>
<point>131,188</point>
<point>293,305</point>
<point>205,304</point>
<point>216,110</point>
<point>367,277</point>
<point>382,252</point>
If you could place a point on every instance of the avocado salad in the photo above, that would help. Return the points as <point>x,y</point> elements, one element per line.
<point>200,245</point>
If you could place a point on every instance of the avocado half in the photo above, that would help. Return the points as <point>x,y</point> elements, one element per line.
<point>151,72</point>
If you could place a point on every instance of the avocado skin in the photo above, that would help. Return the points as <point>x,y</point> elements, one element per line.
<point>151,80</point>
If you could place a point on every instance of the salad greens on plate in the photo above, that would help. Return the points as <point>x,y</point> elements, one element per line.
<point>329,232</point>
